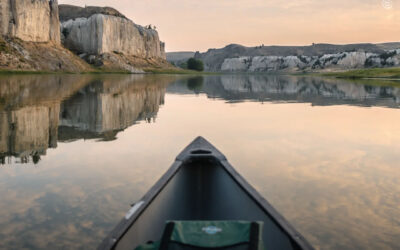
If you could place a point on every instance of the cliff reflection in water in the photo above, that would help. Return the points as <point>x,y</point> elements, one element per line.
<point>331,171</point>
<point>264,88</point>
<point>29,113</point>
<point>103,108</point>
<point>38,111</point>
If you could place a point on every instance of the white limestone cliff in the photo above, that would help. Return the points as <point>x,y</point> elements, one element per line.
<point>339,61</point>
<point>30,20</point>
<point>101,33</point>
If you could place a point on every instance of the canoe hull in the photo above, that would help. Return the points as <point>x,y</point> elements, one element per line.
<point>201,185</point>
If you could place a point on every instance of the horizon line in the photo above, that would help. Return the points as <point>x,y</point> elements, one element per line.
<point>275,45</point>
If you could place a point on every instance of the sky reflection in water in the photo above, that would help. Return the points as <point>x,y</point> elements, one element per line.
<point>77,150</point>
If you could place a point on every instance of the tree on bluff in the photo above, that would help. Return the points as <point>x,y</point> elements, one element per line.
<point>195,64</point>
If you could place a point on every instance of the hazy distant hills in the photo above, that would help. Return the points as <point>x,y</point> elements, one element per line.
<point>388,46</point>
<point>178,57</point>
<point>214,58</point>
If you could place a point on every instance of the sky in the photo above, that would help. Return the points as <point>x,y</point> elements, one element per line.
<point>198,25</point>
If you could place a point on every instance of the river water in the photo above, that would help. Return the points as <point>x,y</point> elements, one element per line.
<point>77,150</point>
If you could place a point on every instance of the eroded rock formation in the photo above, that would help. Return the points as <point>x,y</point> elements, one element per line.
<point>96,30</point>
<point>30,20</point>
<point>339,61</point>
<point>317,57</point>
<point>72,12</point>
<point>30,38</point>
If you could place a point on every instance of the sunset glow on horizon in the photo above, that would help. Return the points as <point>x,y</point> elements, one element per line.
<point>191,25</point>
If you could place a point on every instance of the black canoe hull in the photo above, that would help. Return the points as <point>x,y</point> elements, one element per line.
<point>201,185</point>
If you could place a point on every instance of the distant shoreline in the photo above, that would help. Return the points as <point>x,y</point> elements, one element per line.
<point>371,73</point>
<point>389,74</point>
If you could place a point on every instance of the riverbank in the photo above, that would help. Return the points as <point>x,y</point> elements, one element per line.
<point>391,76</point>
<point>178,71</point>
<point>375,73</point>
<point>149,70</point>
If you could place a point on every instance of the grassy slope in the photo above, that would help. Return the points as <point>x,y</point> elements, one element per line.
<point>389,73</point>
<point>50,58</point>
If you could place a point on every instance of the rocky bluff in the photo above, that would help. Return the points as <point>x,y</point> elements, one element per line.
<point>338,61</point>
<point>30,38</point>
<point>30,20</point>
<point>102,35</point>
<point>316,57</point>
<point>41,35</point>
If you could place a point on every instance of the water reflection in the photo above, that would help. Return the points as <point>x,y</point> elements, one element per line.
<point>104,108</point>
<point>37,112</point>
<point>29,113</point>
<point>331,167</point>
<point>314,90</point>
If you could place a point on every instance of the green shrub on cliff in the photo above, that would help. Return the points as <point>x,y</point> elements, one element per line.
<point>4,47</point>
<point>195,64</point>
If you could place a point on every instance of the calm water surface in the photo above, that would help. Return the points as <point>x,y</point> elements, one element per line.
<point>76,151</point>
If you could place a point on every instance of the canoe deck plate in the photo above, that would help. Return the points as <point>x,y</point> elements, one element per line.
<point>133,210</point>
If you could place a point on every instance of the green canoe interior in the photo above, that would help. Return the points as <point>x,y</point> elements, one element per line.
<point>202,190</point>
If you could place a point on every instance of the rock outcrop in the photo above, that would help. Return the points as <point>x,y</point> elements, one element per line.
<point>30,38</point>
<point>275,58</point>
<point>55,32</point>
<point>100,34</point>
<point>340,61</point>
<point>30,20</point>
<point>16,54</point>
<point>69,12</point>
<point>94,30</point>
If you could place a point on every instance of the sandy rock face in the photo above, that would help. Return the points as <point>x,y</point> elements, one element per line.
<point>315,56</point>
<point>55,32</point>
<point>30,20</point>
<point>68,12</point>
<point>46,56</point>
<point>236,64</point>
<point>339,61</point>
<point>101,33</point>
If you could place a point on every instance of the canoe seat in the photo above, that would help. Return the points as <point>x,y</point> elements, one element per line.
<point>193,235</point>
